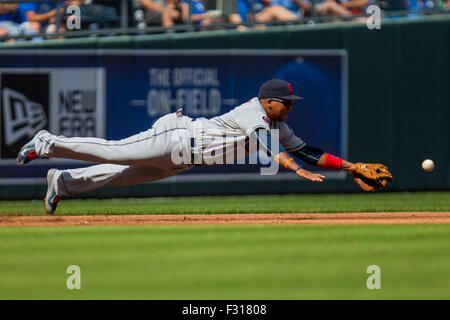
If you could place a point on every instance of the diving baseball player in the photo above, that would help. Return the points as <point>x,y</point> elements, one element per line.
<point>176,143</point>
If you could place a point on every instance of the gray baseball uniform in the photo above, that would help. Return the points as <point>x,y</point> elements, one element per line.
<point>155,154</point>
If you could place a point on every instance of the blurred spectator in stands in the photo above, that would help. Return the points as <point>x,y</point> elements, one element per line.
<point>356,7</point>
<point>331,8</point>
<point>63,15</point>
<point>78,3</point>
<point>298,7</point>
<point>265,11</point>
<point>164,13</point>
<point>7,25</point>
<point>173,13</point>
<point>35,17</point>
<point>198,13</point>
<point>394,5</point>
<point>418,5</point>
<point>93,15</point>
<point>203,17</point>
<point>244,10</point>
<point>153,11</point>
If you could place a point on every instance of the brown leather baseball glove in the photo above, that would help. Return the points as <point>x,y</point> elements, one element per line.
<point>371,177</point>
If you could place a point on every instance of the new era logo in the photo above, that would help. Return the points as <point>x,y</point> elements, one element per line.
<point>24,108</point>
<point>22,117</point>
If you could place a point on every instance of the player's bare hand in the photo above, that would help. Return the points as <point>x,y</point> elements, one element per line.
<point>305,174</point>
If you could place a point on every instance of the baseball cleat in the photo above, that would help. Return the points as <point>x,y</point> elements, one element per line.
<point>51,199</point>
<point>28,152</point>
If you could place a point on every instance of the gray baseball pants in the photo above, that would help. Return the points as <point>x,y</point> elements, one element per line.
<point>144,157</point>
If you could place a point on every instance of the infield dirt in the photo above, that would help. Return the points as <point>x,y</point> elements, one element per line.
<point>220,219</point>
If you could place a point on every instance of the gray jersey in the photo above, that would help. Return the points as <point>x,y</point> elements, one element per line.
<point>222,134</point>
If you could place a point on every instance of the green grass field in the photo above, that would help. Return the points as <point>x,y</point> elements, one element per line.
<point>376,202</point>
<point>226,262</point>
<point>229,262</point>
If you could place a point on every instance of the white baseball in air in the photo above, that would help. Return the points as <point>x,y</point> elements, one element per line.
<point>428,165</point>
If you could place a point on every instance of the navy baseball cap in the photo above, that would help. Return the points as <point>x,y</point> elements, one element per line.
<point>277,88</point>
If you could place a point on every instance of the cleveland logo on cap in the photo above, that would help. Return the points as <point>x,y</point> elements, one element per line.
<point>277,88</point>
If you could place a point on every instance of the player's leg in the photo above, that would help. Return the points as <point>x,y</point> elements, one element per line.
<point>65,183</point>
<point>137,149</point>
<point>141,149</point>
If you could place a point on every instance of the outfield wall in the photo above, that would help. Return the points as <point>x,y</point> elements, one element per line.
<point>397,106</point>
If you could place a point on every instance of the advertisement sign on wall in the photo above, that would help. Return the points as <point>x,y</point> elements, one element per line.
<point>63,101</point>
<point>114,94</point>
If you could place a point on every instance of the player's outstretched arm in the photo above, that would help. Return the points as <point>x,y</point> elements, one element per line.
<point>368,176</point>
<point>319,158</point>
<point>344,164</point>
<point>282,158</point>
<point>286,160</point>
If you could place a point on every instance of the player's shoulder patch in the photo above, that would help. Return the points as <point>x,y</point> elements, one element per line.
<point>179,112</point>
<point>266,119</point>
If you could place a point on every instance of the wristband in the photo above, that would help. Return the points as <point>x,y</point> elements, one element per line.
<point>287,162</point>
<point>299,166</point>
<point>332,162</point>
